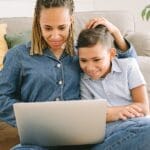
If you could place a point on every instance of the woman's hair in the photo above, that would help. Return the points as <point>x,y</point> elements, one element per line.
<point>90,37</point>
<point>37,42</point>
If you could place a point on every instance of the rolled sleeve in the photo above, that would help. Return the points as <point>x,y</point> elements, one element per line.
<point>135,76</point>
<point>131,52</point>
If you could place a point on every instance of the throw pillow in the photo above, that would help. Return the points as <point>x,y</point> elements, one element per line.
<point>144,63</point>
<point>3,43</point>
<point>17,38</point>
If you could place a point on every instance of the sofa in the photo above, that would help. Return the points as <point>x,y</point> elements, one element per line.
<point>17,30</point>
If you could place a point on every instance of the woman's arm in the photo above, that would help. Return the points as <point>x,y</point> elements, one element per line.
<point>124,48</point>
<point>119,40</point>
<point>9,86</point>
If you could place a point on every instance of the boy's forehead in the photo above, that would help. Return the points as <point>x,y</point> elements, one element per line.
<point>93,51</point>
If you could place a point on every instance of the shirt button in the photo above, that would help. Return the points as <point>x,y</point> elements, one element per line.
<point>58,65</point>
<point>60,82</point>
<point>57,99</point>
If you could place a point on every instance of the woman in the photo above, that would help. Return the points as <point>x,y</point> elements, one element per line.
<point>39,71</point>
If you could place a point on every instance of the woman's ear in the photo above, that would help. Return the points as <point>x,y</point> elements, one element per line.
<point>112,53</point>
<point>72,18</point>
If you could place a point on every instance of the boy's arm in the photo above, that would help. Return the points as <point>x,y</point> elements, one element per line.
<point>140,104</point>
<point>140,98</point>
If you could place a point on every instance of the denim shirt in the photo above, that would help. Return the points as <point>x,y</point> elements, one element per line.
<point>32,78</point>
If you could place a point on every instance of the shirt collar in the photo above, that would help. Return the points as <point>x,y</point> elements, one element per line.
<point>115,66</point>
<point>47,51</point>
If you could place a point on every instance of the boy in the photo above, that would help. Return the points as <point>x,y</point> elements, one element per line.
<point>119,81</point>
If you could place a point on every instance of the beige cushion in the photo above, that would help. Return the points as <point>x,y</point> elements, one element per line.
<point>144,63</point>
<point>141,42</point>
<point>3,43</point>
<point>122,19</point>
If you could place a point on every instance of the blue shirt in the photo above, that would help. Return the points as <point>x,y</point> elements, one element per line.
<point>27,78</point>
<point>115,87</point>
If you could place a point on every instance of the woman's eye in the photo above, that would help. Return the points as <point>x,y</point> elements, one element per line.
<point>48,28</point>
<point>96,60</point>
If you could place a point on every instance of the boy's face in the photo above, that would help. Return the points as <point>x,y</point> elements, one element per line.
<point>95,61</point>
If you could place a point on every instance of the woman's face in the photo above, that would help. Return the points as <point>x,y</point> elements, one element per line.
<point>55,24</point>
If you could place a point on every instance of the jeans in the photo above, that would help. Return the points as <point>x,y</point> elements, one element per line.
<point>132,134</point>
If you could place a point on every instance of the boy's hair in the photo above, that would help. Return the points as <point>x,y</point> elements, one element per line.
<point>37,41</point>
<point>90,37</point>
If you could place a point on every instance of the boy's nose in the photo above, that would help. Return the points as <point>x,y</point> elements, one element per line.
<point>90,67</point>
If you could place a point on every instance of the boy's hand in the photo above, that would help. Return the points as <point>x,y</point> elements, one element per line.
<point>130,111</point>
<point>124,112</point>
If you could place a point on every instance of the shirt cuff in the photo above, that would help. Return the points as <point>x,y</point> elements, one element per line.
<point>130,52</point>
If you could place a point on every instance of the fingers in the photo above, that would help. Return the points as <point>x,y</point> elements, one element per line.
<point>94,22</point>
<point>102,21</point>
<point>131,112</point>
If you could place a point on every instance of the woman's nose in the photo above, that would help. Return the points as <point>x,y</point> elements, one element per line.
<point>55,35</point>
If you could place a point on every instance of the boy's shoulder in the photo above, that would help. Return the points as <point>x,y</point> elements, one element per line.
<point>125,63</point>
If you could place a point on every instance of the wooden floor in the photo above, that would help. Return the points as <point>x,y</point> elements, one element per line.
<point>8,136</point>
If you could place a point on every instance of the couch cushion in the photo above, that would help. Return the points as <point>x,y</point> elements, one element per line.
<point>144,63</point>
<point>122,19</point>
<point>17,38</point>
<point>141,42</point>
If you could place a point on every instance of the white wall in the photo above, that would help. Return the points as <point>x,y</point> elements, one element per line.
<point>17,8</point>
<point>133,6</point>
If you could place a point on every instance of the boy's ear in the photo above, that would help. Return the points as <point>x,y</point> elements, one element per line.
<point>112,53</point>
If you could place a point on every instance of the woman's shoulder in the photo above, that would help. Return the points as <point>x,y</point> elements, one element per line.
<point>22,49</point>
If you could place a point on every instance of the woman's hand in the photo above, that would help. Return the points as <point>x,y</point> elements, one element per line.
<point>101,20</point>
<point>115,32</point>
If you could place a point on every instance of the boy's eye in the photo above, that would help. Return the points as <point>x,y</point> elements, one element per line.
<point>82,60</point>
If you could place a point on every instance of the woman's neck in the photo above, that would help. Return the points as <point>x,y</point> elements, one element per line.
<point>57,53</point>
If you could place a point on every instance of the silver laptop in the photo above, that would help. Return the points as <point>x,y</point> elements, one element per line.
<point>61,123</point>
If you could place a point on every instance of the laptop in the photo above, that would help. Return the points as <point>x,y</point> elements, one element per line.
<point>61,123</point>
